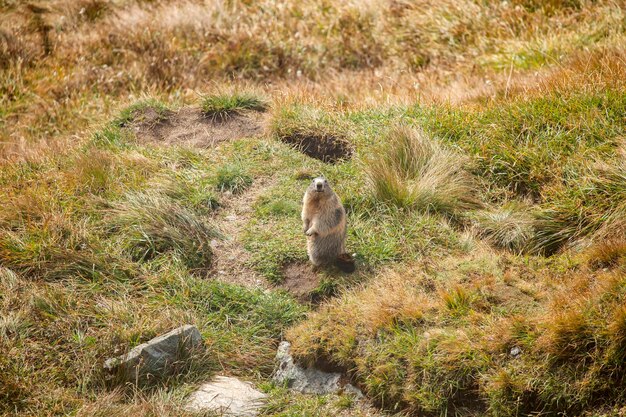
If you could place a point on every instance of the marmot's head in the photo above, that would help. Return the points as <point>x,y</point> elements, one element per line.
<point>320,187</point>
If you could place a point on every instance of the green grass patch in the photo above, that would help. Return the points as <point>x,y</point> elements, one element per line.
<point>222,106</point>
<point>231,315</point>
<point>232,177</point>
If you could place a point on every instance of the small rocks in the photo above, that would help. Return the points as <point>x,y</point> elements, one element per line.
<point>226,397</point>
<point>308,380</point>
<point>157,357</point>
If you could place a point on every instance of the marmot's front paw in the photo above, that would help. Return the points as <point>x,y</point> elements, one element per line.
<point>310,232</point>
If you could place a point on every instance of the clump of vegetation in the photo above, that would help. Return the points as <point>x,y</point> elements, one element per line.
<point>192,191</point>
<point>607,253</point>
<point>415,172</point>
<point>152,225</point>
<point>220,107</point>
<point>593,204</point>
<point>134,112</point>
<point>232,177</point>
<point>508,227</point>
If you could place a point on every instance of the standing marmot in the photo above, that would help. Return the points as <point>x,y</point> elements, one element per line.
<point>324,223</point>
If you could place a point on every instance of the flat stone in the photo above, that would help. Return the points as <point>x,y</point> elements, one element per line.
<point>308,380</point>
<point>226,396</point>
<point>158,357</point>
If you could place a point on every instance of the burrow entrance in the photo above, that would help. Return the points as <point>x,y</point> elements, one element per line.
<point>327,148</point>
<point>301,281</point>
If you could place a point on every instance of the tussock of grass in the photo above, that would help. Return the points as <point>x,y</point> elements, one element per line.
<point>593,205</point>
<point>152,225</point>
<point>414,172</point>
<point>508,227</point>
<point>222,106</point>
<point>192,191</point>
<point>457,300</point>
<point>607,254</point>
<point>135,110</point>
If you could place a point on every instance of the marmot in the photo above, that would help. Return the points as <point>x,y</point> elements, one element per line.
<point>324,223</point>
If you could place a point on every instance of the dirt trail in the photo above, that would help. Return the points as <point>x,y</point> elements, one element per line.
<point>231,259</point>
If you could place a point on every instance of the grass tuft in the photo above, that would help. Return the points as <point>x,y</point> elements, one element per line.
<point>151,225</point>
<point>508,227</point>
<point>593,205</point>
<point>458,301</point>
<point>415,172</point>
<point>220,107</point>
<point>607,254</point>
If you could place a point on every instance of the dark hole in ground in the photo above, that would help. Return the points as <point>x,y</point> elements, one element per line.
<point>326,148</point>
<point>191,127</point>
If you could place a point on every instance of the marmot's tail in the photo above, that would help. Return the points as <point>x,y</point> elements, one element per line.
<point>345,262</point>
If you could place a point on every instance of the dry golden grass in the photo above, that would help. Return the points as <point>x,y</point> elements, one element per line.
<point>450,334</point>
<point>375,52</point>
<point>607,253</point>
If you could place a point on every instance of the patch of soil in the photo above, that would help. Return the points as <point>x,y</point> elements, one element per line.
<point>508,296</point>
<point>329,149</point>
<point>189,126</point>
<point>300,281</point>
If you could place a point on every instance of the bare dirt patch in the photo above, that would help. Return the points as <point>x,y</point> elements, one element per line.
<point>326,148</point>
<point>230,259</point>
<point>191,127</point>
<point>300,281</point>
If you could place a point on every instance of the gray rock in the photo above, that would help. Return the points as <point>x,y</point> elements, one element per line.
<point>515,352</point>
<point>157,357</point>
<point>226,397</point>
<point>308,380</point>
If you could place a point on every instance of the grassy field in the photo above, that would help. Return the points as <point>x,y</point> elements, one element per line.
<point>153,158</point>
